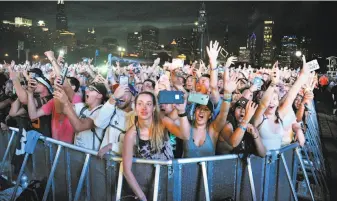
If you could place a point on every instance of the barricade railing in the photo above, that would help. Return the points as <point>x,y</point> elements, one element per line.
<point>75,173</point>
<point>82,176</point>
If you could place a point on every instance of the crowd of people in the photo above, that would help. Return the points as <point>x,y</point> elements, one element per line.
<point>249,111</point>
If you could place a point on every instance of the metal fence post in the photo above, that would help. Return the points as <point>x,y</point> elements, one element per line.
<point>120,182</point>
<point>305,173</point>
<point>51,174</point>
<point>251,179</point>
<point>82,177</point>
<point>205,179</point>
<point>6,152</point>
<point>156,183</point>
<point>289,177</point>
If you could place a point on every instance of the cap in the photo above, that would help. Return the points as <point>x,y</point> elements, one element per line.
<point>43,80</point>
<point>241,102</point>
<point>36,71</point>
<point>100,88</point>
<point>210,106</point>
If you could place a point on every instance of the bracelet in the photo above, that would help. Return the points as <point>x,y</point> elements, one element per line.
<point>227,96</point>
<point>228,100</point>
<point>183,114</point>
<point>243,128</point>
<point>215,68</point>
<point>256,137</point>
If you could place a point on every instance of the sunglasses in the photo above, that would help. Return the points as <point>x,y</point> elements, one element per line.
<point>92,88</point>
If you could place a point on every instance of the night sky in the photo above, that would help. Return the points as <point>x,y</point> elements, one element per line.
<point>175,19</point>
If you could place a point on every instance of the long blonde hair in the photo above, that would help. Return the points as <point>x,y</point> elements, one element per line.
<point>156,128</point>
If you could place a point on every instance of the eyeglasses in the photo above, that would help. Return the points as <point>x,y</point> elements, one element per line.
<point>92,88</point>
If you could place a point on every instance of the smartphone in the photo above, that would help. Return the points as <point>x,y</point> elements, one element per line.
<point>64,74</point>
<point>258,82</point>
<point>170,97</point>
<point>178,62</point>
<point>198,98</point>
<point>123,80</point>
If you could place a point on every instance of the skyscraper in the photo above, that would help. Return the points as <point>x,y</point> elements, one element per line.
<point>251,46</point>
<point>288,49</point>
<point>202,29</point>
<point>91,37</point>
<point>225,41</point>
<point>134,44</point>
<point>150,37</point>
<point>267,53</point>
<point>244,55</point>
<point>304,43</point>
<point>61,18</point>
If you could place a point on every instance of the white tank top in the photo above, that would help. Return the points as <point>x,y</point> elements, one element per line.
<point>271,134</point>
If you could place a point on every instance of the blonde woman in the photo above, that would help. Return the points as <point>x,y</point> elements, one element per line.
<point>151,136</point>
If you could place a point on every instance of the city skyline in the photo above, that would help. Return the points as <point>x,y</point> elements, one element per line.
<point>242,18</point>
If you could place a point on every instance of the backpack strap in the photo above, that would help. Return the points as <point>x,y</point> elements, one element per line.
<point>82,111</point>
<point>113,126</point>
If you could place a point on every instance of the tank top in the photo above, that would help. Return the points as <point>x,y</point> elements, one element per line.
<point>271,137</point>
<point>193,151</point>
<point>144,149</point>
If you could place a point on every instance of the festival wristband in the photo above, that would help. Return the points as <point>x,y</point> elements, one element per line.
<point>183,114</point>
<point>243,128</point>
<point>228,100</point>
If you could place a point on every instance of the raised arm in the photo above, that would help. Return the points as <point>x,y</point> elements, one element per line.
<point>16,109</point>
<point>287,104</point>
<point>213,52</point>
<point>183,130</point>
<point>230,84</point>
<point>77,123</point>
<point>33,112</point>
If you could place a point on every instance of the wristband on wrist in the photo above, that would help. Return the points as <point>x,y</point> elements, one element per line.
<point>228,100</point>
<point>242,127</point>
<point>183,114</point>
<point>256,137</point>
<point>216,68</point>
<point>227,96</point>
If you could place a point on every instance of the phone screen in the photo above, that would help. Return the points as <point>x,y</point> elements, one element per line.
<point>64,74</point>
<point>123,80</point>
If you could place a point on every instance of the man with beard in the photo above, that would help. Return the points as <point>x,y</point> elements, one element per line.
<point>116,116</point>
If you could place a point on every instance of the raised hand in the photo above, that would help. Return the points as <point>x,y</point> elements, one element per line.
<point>32,84</point>
<point>60,95</point>
<point>120,91</point>
<point>250,110</point>
<point>305,69</point>
<point>252,130</point>
<point>230,61</point>
<point>50,55</point>
<point>230,83</point>
<point>213,52</point>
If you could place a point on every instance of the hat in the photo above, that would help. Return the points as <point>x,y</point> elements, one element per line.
<point>241,102</point>
<point>210,106</point>
<point>100,88</point>
<point>43,80</point>
<point>37,71</point>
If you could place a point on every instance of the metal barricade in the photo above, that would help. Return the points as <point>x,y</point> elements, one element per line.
<point>75,173</point>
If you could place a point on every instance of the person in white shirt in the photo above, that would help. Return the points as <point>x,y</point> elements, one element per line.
<point>81,116</point>
<point>117,116</point>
